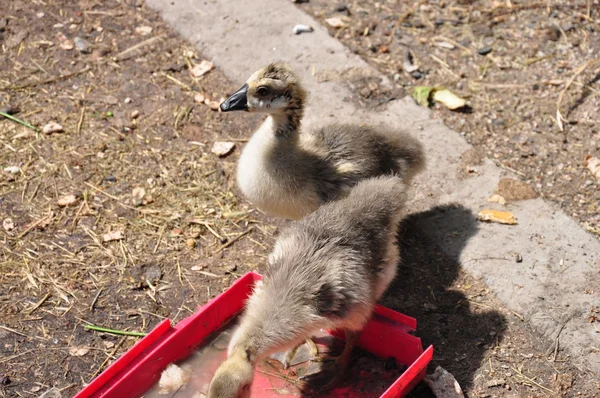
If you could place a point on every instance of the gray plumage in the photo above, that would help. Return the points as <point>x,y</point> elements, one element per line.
<point>289,173</point>
<point>326,271</point>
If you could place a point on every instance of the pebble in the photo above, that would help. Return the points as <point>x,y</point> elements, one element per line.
<point>341,7</point>
<point>12,169</point>
<point>416,74</point>
<point>495,383</point>
<point>302,29</point>
<point>82,45</point>
<point>202,68</point>
<point>10,109</point>
<point>153,275</point>
<point>484,50</point>
<point>128,100</point>
<point>111,178</point>
<point>135,114</point>
<point>191,243</point>
<point>143,30</point>
<point>8,224</point>
<point>67,200</point>
<point>52,127</point>
<point>222,148</point>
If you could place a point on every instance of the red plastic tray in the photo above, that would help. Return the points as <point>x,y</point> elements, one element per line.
<point>386,335</point>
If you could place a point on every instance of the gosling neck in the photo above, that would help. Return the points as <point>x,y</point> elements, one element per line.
<point>286,125</point>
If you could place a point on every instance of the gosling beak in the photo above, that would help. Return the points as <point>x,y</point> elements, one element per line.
<point>237,102</point>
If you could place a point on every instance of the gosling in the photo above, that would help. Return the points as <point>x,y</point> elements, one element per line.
<point>289,174</point>
<point>326,271</point>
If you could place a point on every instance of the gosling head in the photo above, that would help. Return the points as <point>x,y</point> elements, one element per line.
<point>233,379</point>
<point>272,89</point>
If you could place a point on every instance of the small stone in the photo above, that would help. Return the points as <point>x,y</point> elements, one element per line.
<point>593,165</point>
<point>82,45</point>
<point>443,384</point>
<point>214,105</point>
<point>12,169</point>
<point>16,39</point>
<point>135,114</point>
<point>64,42</point>
<point>40,15</point>
<point>67,200</point>
<point>497,199</point>
<point>128,100</point>
<point>202,68</point>
<point>10,109</point>
<point>302,29</point>
<point>484,50</point>
<point>114,235</point>
<point>111,178</point>
<point>231,268</point>
<point>519,258</point>
<point>513,190</point>
<point>336,22</point>
<point>153,275</point>
<point>416,74</point>
<point>495,383</point>
<point>8,224</point>
<point>52,127</point>
<point>78,351</point>
<point>341,7</point>
<point>191,243</point>
<point>222,148</point>
<point>200,98</point>
<point>139,197</point>
<point>143,30</point>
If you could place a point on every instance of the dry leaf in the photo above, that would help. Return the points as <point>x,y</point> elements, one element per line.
<point>501,217</point>
<point>114,235</point>
<point>421,94</point>
<point>448,98</point>
<point>8,224</point>
<point>202,68</point>
<point>78,351</point>
<point>495,198</point>
<point>593,165</point>
<point>222,148</point>
<point>336,22</point>
<point>67,200</point>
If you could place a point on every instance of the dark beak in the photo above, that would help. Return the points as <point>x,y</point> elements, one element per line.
<point>237,102</point>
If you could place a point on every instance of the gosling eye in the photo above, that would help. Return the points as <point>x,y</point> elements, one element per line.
<point>262,91</point>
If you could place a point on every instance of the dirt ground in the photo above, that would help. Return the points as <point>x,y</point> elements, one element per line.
<point>126,217</point>
<point>535,51</point>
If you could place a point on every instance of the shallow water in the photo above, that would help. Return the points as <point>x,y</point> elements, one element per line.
<point>367,376</point>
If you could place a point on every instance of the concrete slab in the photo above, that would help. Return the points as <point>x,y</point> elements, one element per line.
<point>558,280</point>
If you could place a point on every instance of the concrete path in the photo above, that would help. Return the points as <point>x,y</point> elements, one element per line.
<point>558,280</point>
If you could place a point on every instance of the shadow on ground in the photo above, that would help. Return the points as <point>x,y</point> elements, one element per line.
<point>424,290</point>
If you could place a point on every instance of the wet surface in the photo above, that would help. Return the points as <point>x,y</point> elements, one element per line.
<point>367,376</point>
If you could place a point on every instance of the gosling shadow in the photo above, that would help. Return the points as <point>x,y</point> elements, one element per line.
<point>424,290</point>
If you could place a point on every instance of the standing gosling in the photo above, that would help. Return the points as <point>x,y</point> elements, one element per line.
<point>288,174</point>
<point>326,271</point>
